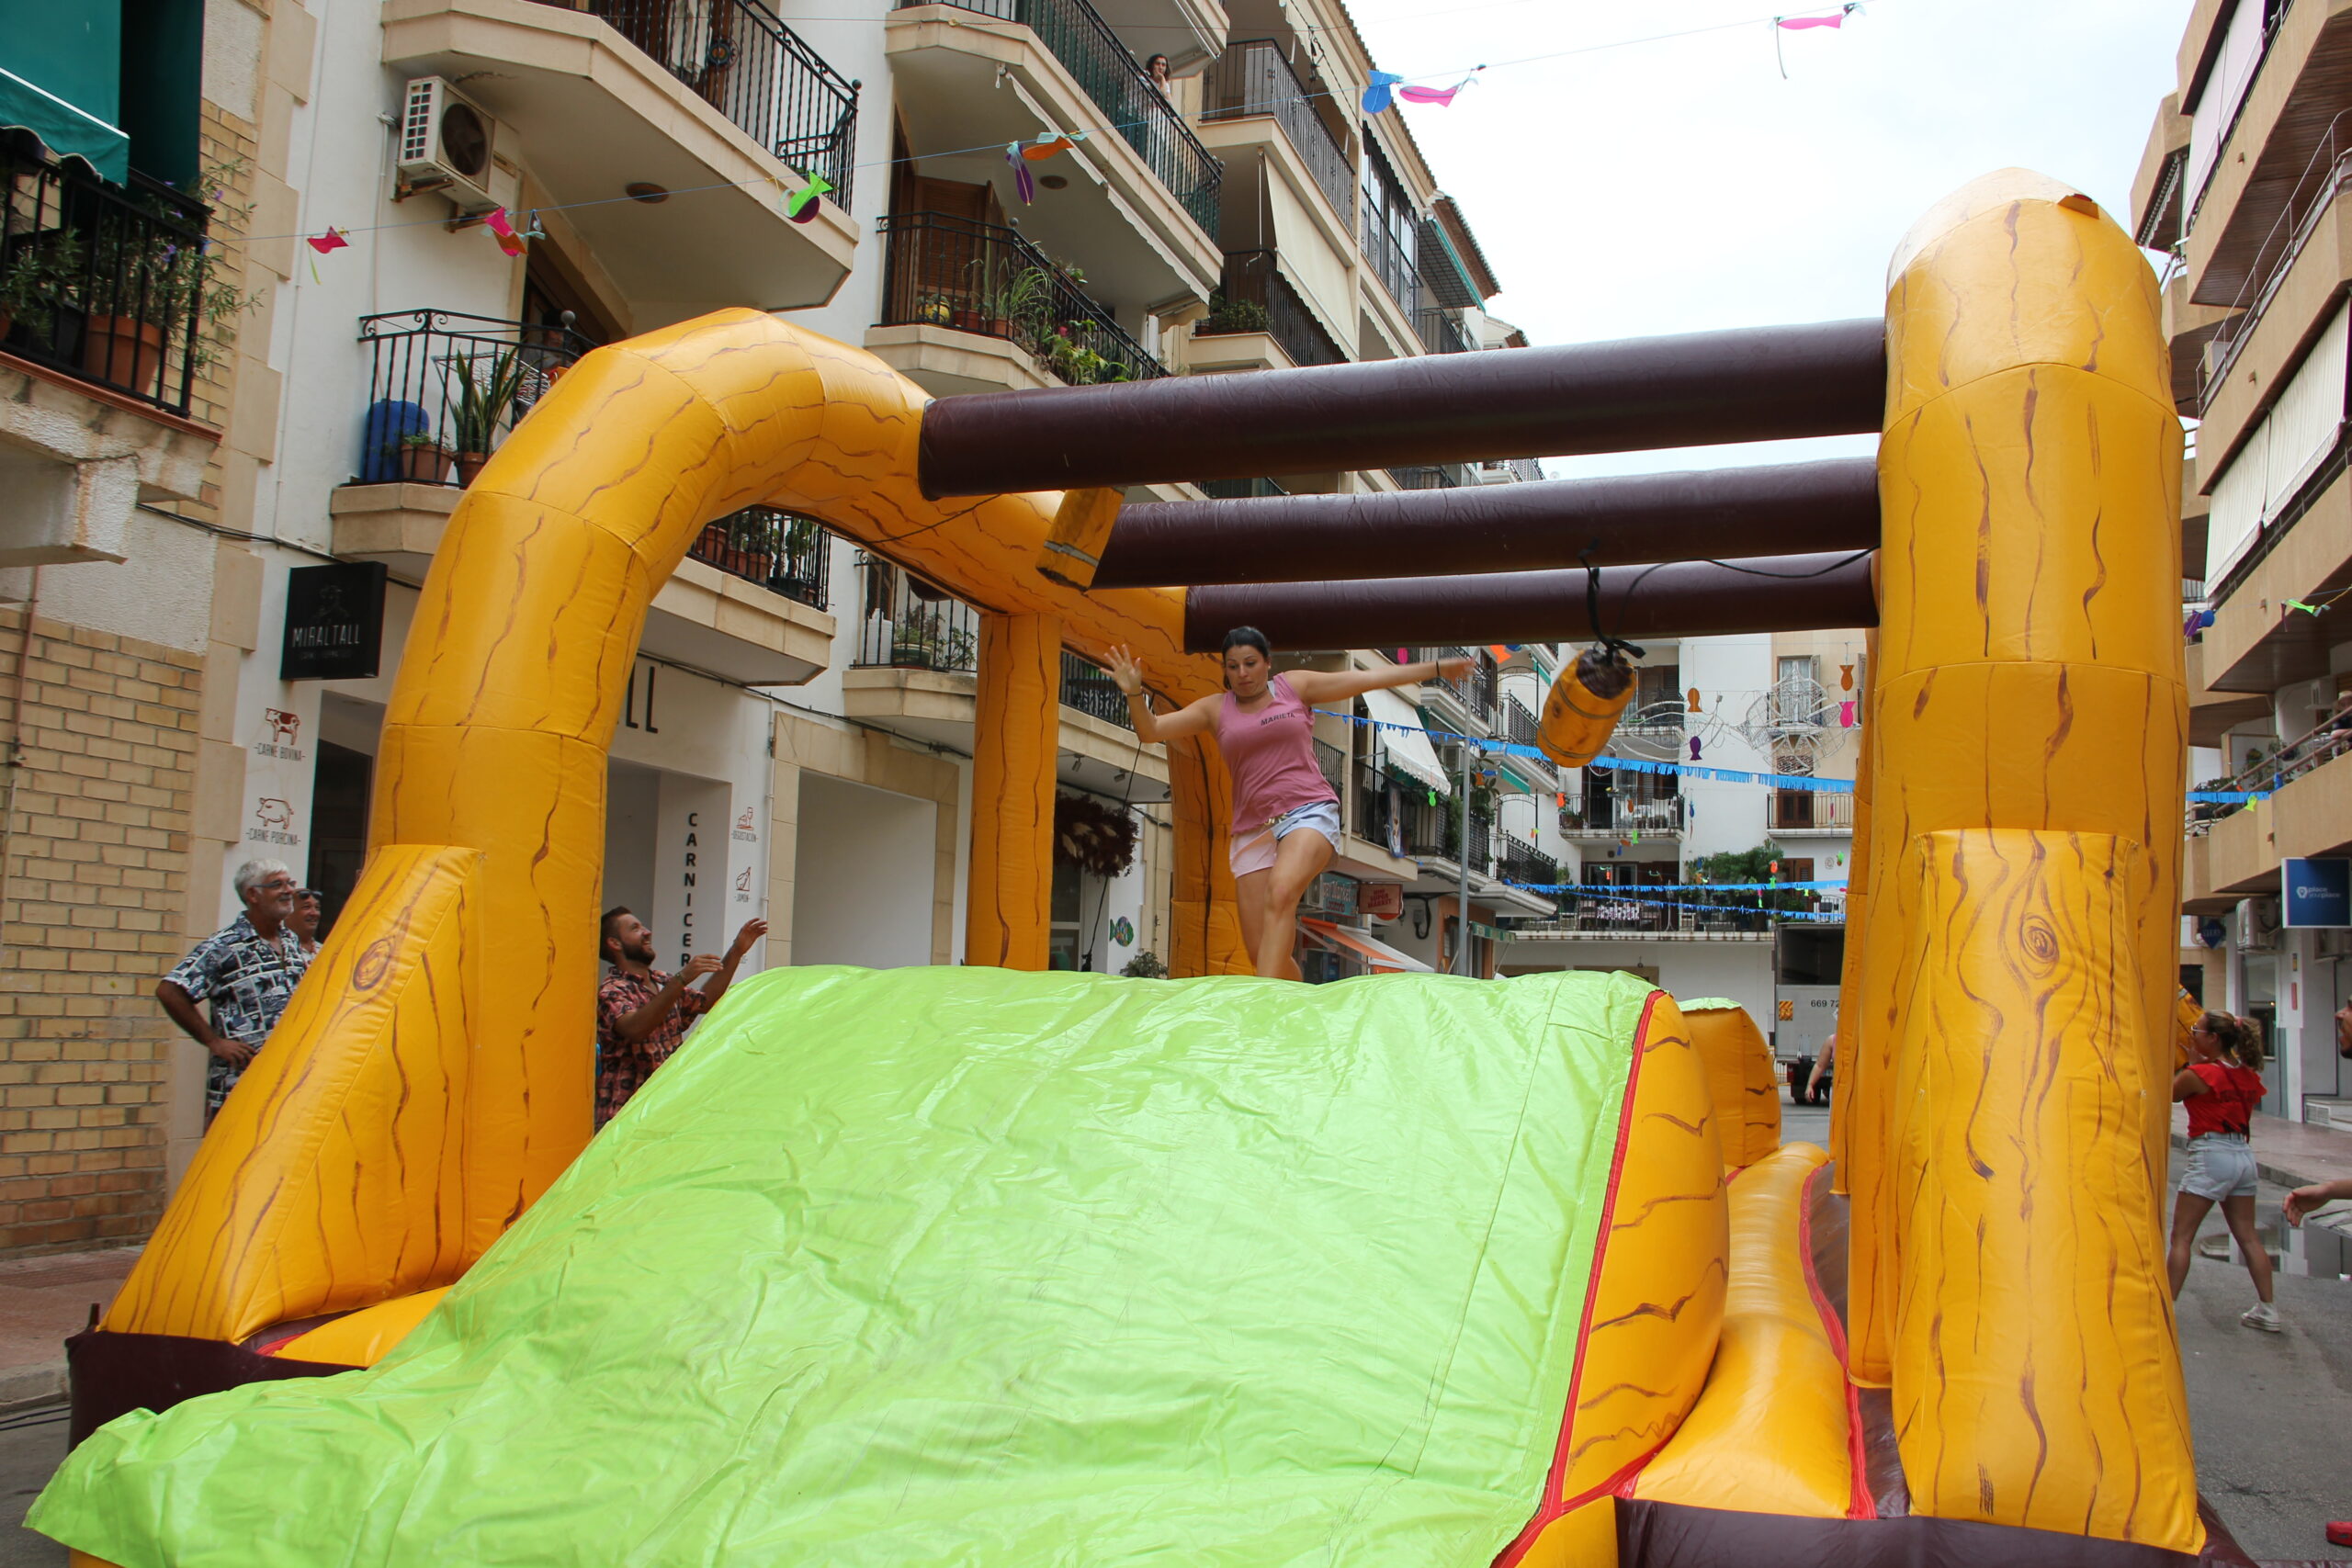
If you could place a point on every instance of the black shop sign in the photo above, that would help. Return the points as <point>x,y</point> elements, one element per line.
<point>334,622</point>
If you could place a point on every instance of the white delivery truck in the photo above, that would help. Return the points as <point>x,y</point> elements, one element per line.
<point>1806,960</point>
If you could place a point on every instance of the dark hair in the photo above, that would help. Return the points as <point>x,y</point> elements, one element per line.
<point>2240,1038</point>
<point>1246,637</point>
<point>1159,60</point>
<point>605,924</point>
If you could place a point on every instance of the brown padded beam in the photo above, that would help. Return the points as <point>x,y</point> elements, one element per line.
<point>1774,593</point>
<point>1759,384</point>
<point>1792,508</point>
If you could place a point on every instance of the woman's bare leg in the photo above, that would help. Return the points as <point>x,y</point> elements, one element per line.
<point>2239,1213</point>
<point>1250,902</point>
<point>2189,1212</point>
<point>1298,860</point>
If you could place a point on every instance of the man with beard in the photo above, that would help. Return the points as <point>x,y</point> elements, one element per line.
<point>642,1014</point>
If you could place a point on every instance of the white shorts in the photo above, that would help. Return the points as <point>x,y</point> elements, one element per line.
<point>2219,1166</point>
<point>1257,853</point>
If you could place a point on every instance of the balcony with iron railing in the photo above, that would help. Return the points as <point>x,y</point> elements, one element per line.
<point>1472,696</point>
<point>1801,813</point>
<point>1254,297</point>
<point>1688,911</point>
<point>907,623</point>
<point>1254,77</point>
<point>1521,864</point>
<point>1599,814</point>
<point>1390,263</point>
<point>1088,687</point>
<point>1440,330</point>
<point>1241,490</point>
<point>739,57</point>
<point>110,285</point>
<point>1428,476</point>
<point>1131,106</point>
<point>945,271</point>
<point>444,388</point>
<point>713,108</point>
<point>782,553</point>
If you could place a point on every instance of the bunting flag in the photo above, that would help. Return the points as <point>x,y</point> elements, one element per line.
<point>333,240</point>
<point>1798,24</point>
<point>1442,97</point>
<point>802,205</point>
<point>1021,154</point>
<point>502,228</point>
<point>1380,95</point>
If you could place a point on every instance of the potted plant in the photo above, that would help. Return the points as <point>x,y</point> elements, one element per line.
<point>38,280</point>
<point>485,397</point>
<point>424,460</point>
<point>1227,315</point>
<point>1022,308</point>
<point>143,287</point>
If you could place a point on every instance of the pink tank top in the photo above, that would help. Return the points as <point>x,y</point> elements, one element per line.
<point>1271,754</point>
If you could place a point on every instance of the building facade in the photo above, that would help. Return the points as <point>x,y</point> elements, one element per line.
<point>2238,188</point>
<point>208,477</point>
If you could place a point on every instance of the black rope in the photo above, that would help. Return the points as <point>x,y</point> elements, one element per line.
<point>1610,645</point>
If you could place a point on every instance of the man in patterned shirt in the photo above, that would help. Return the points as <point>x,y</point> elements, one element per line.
<point>641,1013</point>
<point>246,971</point>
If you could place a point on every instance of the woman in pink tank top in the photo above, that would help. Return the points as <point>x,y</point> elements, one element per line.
<point>1285,814</point>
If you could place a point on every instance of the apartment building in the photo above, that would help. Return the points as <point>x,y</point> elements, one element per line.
<point>268,439</point>
<point>2238,186</point>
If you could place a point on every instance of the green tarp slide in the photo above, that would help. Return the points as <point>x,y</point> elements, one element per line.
<point>970,1268</point>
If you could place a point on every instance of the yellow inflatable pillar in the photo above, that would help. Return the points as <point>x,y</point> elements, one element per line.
<point>1742,1087</point>
<point>1017,730</point>
<point>1202,905</point>
<point>2029,678</point>
<point>2037,1379</point>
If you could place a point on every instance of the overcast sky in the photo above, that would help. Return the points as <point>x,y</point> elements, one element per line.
<point>1681,184</point>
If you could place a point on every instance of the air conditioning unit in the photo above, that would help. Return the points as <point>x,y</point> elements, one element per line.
<point>446,145</point>
<point>2258,925</point>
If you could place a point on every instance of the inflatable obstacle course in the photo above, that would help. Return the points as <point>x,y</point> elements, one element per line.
<point>1666,1371</point>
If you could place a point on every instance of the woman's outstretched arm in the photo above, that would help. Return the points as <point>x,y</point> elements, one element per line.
<point>1336,685</point>
<point>1193,718</point>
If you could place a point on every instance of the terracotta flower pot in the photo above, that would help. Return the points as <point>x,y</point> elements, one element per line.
<point>424,465</point>
<point>124,352</point>
<point>468,465</point>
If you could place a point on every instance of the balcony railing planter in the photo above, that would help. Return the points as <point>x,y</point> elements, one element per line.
<point>444,388</point>
<point>110,284</point>
<point>1108,73</point>
<point>908,624</point>
<point>739,58</point>
<point>944,270</point>
<point>1254,297</point>
<point>782,552</point>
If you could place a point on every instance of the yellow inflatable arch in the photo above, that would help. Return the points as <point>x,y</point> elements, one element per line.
<point>2008,1018</point>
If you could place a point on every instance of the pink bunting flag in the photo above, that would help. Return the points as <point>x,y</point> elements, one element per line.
<point>332,240</point>
<point>496,221</point>
<point>1798,24</point>
<point>1442,97</point>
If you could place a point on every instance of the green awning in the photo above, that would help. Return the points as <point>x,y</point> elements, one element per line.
<point>67,132</point>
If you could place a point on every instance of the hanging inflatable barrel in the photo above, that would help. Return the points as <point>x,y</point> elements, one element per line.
<point>1580,713</point>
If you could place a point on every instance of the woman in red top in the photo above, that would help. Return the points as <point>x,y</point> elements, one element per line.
<point>2222,1087</point>
<point>1285,813</point>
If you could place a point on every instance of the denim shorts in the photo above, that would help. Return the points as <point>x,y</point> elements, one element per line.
<point>1256,853</point>
<point>2221,1165</point>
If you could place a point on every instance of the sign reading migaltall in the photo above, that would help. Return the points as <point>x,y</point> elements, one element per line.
<point>334,622</point>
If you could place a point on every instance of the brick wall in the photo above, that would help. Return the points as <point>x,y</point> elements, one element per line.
<point>96,858</point>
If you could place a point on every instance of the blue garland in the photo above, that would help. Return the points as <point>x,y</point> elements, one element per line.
<point>1606,893</point>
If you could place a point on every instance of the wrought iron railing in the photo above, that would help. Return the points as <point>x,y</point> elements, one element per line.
<point>908,623</point>
<point>1475,688</point>
<point>1381,799</point>
<point>1440,332</point>
<point>1252,77</point>
<point>952,272</point>
<point>1254,297</point>
<point>1434,832</point>
<point>1088,687</point>
<point>1391,265</point>
<point>109,284</point>
<point>1518,724</point>
<point>738,58</point>
<point>1662,909</point>
<point>1507,471</point>
<point>1599,814</point>
<point>1241,490</point>
<point>2327,175</point>
<point>1076,34</point>
<point>781,551</point>
<point>444,388</point>
<point>1811,811</point>
<point>1523,865</point>
<point>1333,764</point>
<point>1428,476</point>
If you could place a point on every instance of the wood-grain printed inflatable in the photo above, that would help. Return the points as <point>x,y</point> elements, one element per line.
<point>976,1266</point>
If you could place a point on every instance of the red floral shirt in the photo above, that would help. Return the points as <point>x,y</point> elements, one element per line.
<point>623,1066</point>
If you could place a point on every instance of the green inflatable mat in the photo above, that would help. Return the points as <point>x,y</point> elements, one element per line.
<point>971,1269</point>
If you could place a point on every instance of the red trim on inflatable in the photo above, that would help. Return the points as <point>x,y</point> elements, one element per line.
<point>1552,1505</point>
<point>1860,1505</point>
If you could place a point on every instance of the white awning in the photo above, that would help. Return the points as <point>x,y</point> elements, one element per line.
<point>1408,749</point>
<point>1381,958</point>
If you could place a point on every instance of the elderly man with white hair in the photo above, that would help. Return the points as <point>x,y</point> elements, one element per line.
<point>246,971</point>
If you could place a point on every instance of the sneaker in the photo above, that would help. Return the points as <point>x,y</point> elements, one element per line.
<point>2263,1315</point>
